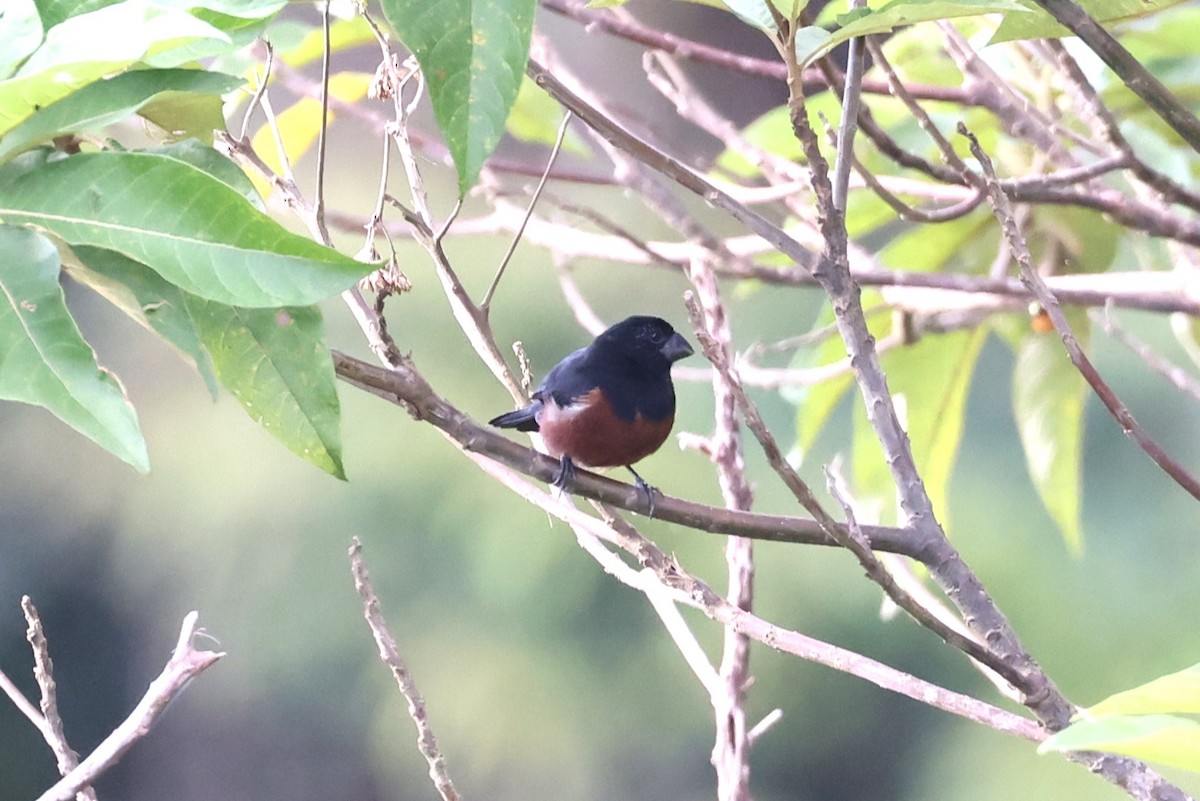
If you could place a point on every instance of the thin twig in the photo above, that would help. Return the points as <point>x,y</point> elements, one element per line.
<point>390,654</point>
<point>1178,377</point>
<point>262,87</point>
<point>323,130</point>
<point>1032,279</point>
<point>22,703</point>
<point>186,663</point>
<point>486,304</point>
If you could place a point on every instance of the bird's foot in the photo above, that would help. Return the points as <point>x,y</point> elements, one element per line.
<point>564,480</point>
<point>648,491</point>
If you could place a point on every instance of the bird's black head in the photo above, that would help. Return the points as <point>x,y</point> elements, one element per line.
<point>648,343</point>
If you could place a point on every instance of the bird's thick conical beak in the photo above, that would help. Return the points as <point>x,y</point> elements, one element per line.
<point>676,348</point>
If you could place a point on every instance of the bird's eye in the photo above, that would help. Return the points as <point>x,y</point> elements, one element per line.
<point>657,337</point>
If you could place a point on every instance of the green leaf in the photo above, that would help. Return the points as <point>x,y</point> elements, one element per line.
<point>276,364</point>
<point>118,35</point>
<point>536,116</point>
<point>92,46</point>
<point>45,361</point>
<point>811,44</point>
<point>934,376</point>
<point>190,228</point>
<point>1165,739</point>
<point>755,13</point>
<point>1037,24</point>
<point>148,299</point>
<point>1174,693</point>
<point>815,403</point>
<point>106,102</point>
<point>54,12</point>
<point>21,33</point>
<point>1048,398</point>
<point>473,54</point>
<point>204,158</point>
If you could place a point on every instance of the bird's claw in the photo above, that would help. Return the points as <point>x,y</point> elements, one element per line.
<point>564,479</point>
<point>645,489</point>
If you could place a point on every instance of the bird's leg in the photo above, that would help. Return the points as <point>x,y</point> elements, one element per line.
<point>644,488</point>
<point>564,480</point>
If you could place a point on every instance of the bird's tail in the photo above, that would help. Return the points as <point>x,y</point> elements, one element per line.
<point>522,419</point>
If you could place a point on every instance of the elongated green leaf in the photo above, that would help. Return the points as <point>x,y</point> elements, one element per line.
<point>814,42</point>
<point>936,388</point>
<point>106,102</point>
<point>473,54</point>
<point>1174,693</point>
<point>275,362</point>
<point>190,228</point>
<point>147,298</point>
<point>1048,396</point>
<point>1165,739</point>
<point>1037,24</point>
<point>815,403</point>
<point>45,361</point>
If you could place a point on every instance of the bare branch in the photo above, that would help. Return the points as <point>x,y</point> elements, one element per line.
<point>1139,79</point>
<point>1178,377</point>
<point>389,652</point>
<point>51,722</point>
<point>406,387</point>
<point>1032,279</point>
<point>186,663</point>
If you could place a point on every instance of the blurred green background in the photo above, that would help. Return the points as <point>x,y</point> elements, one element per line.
<point>544,678</point>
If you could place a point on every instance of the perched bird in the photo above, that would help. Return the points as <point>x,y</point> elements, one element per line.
<point>609,404</point>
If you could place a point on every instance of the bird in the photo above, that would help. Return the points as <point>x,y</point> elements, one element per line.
<point>610,404</point>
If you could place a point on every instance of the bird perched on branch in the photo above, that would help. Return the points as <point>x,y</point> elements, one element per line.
<point>610,404</point>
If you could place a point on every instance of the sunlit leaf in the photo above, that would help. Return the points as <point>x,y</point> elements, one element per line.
<point>811,44</point>
<point>92,46</point>
<point>755,13</point>
<point>190,228</point>
<point>1174,693</point>
<point>276,364</point>
<point>473,55</point>
<point>1037,24</point>
<point>45,361</point>
<point>536,117</point>
<point>21,33</point>
<point>1165,739</point>
<point>109,101</point>
<point>118,35</point>
<point>1048,399</point>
